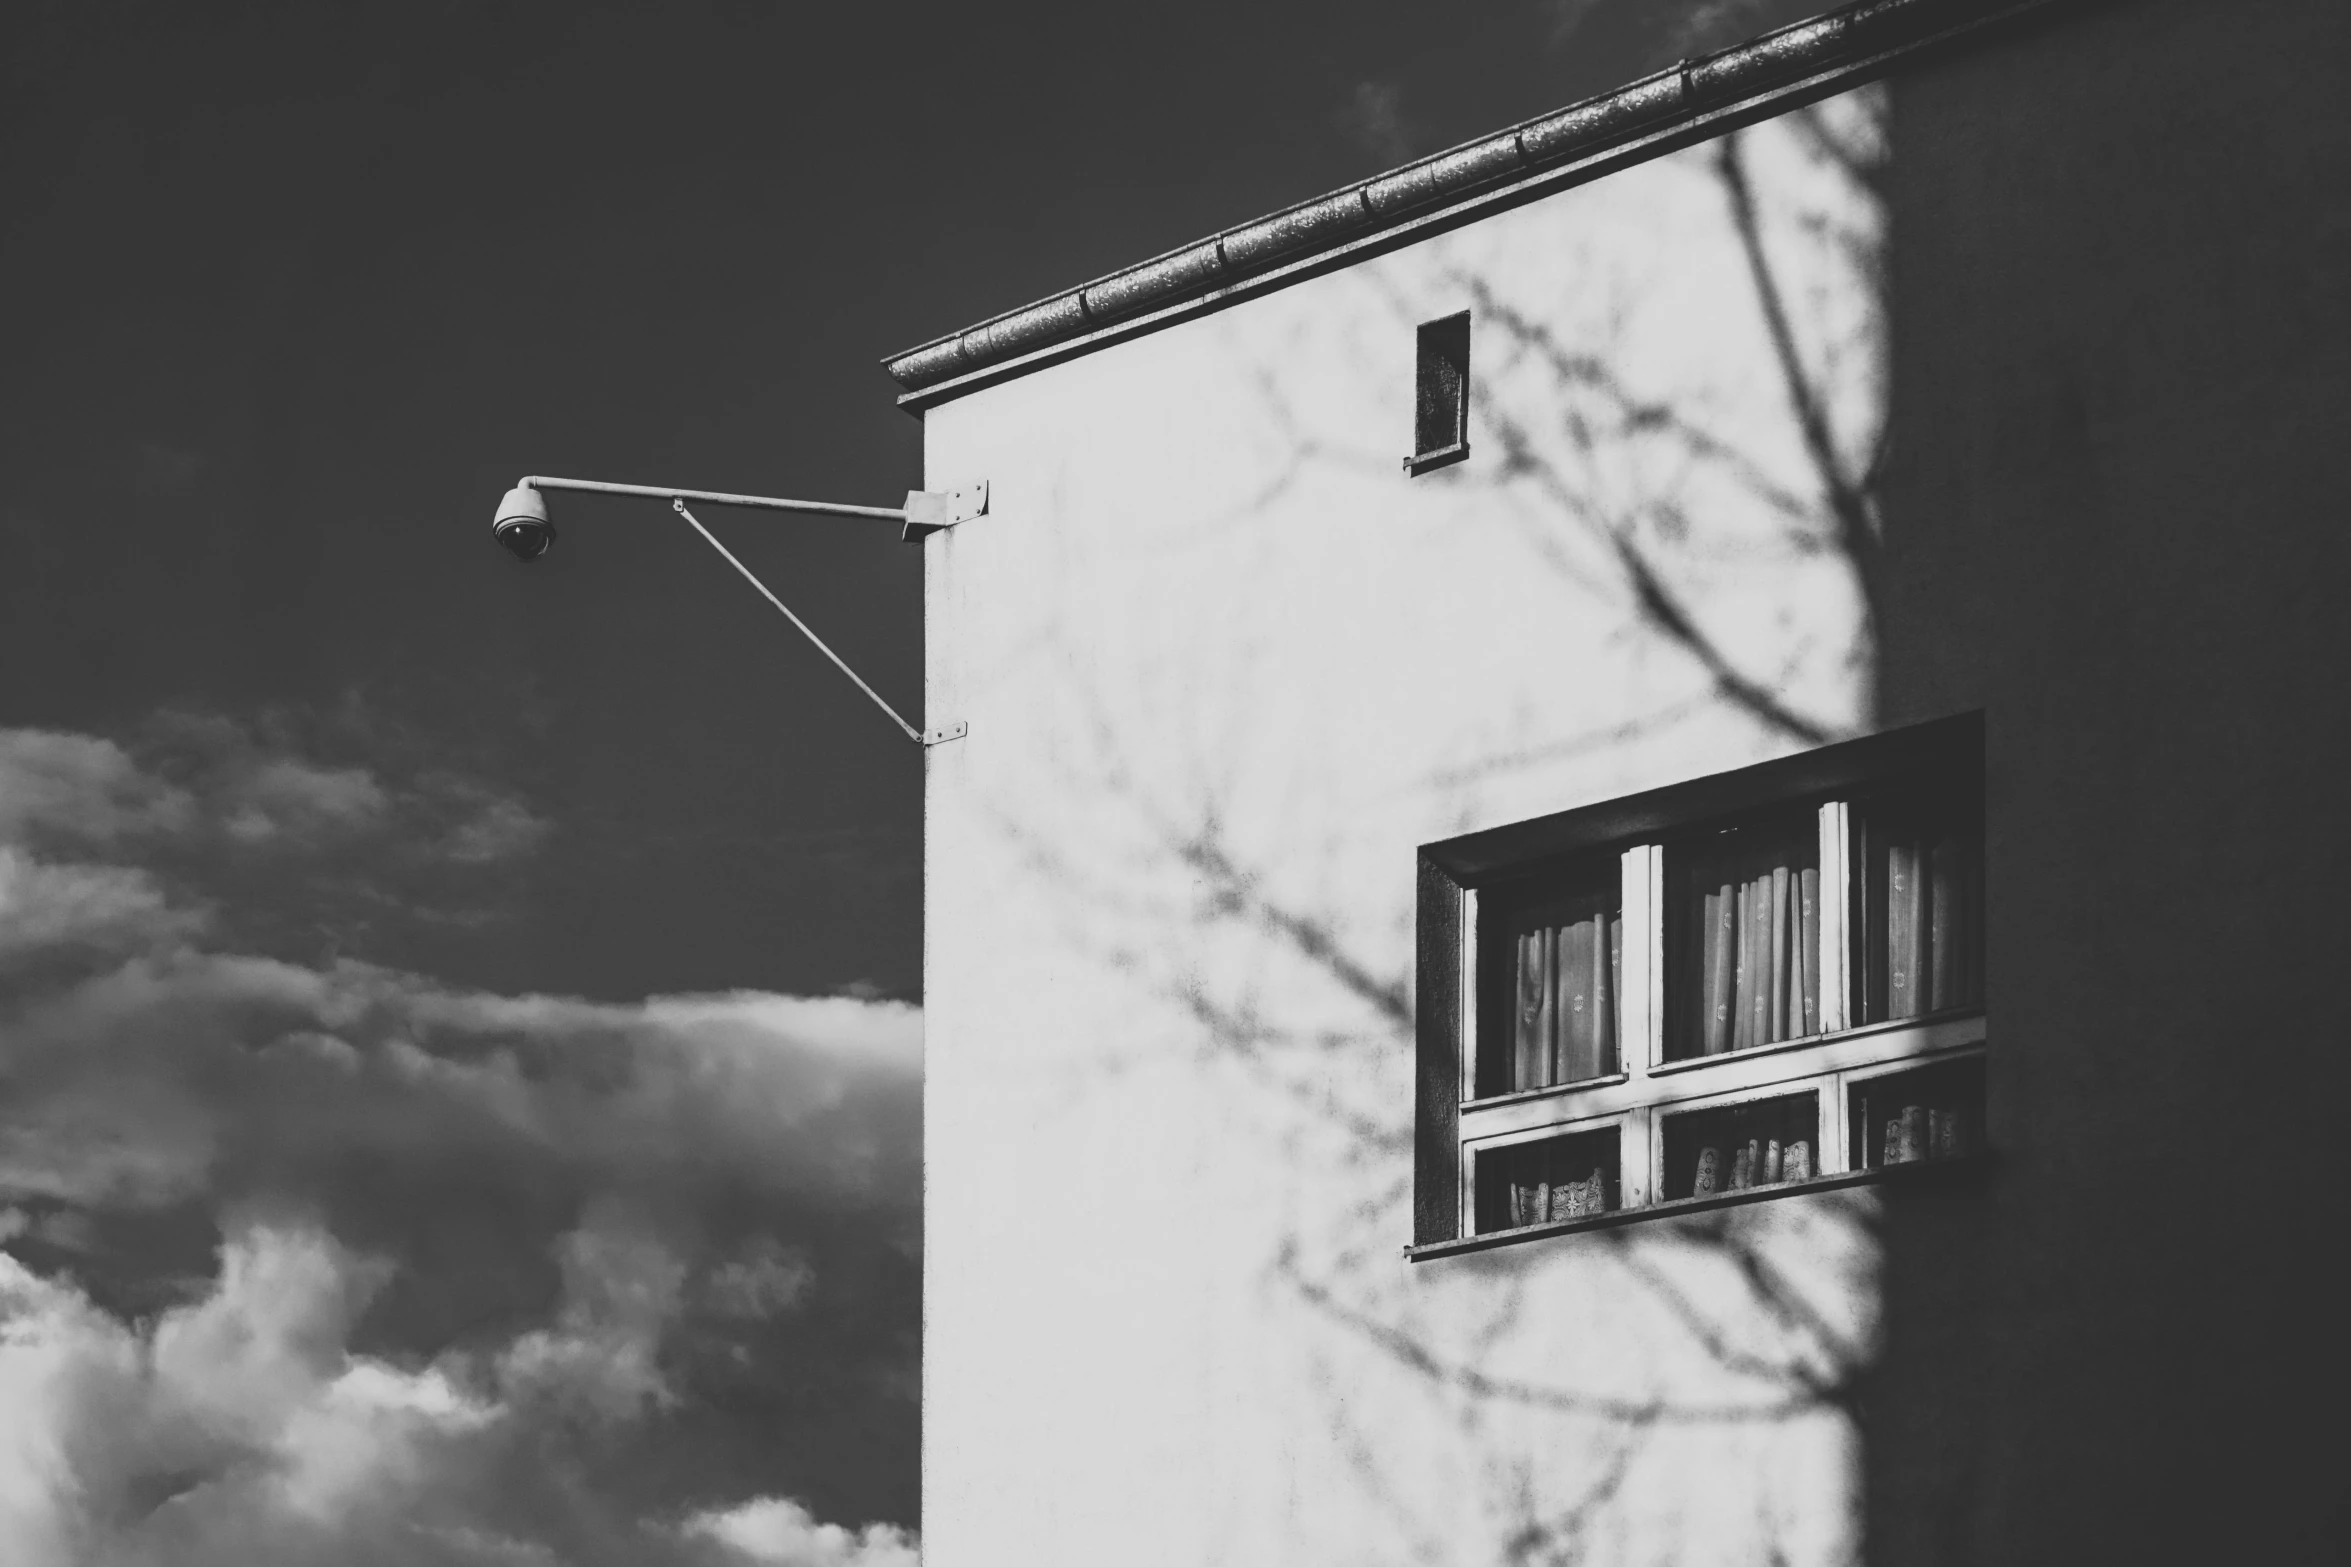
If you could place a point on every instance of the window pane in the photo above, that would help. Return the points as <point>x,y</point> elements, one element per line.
<point>1922,908</point>
<point>1760,1143</point>
<point>1541,1182</point>
<point>1743,937</point>
<point>1440,412</point>
<point>1552,955</point>
<point>1933,1112</point>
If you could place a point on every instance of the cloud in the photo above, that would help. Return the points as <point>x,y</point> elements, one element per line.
<point>241,1428</point>
<point>1374,119</point>
<point>258,785</point>
<point>622,1287</point>
<point>332,1262</point>
<point>480,825</point>
<point>81,787</point>
<point>44,907</point>
<point>767,1279</point>
<point>236,1419</point>
<point>281,796</point>
<point>201,793</point>
<point>775,1531</point>
<point>200,825</point>
<point>189,1075</point>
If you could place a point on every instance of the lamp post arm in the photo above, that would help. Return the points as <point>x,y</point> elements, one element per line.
<point>716,498</point>
<point>522,527</point>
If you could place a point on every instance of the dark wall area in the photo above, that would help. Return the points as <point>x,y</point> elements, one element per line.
<point>2122,240</point>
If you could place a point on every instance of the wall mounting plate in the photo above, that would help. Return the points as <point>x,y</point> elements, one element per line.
<point>941,736</point>
<point>930,511</point>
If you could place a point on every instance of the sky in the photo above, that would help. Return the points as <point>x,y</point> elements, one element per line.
<point>459,1022</point>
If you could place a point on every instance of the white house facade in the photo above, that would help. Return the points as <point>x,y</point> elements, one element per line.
<point>1601,899</point>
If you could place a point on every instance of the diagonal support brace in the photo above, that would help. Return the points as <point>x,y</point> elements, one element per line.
<point>922,737</point>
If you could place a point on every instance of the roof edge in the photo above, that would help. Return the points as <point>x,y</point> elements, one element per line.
<point>1520,162</point>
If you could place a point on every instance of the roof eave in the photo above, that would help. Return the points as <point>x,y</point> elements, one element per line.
<point>1688,102</point>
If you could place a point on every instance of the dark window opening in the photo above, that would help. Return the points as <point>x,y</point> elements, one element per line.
<point>1552,981</point>
<point>1440,404</point>
<point>1933,1112</point>
<point>1570,1177</point>
<point>1919,918</point>
<point>1762,1142</point>
<point>1743,954</point>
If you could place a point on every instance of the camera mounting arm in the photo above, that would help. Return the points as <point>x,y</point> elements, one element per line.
<point>522,526</point>
<point>926,511</point>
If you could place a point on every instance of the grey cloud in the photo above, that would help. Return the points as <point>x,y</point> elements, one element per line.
<point>622,1288</point>
<point>192,1074</point>
<point>46,906</point>
<point>257,785</point>
<point>282,796</point>
<point>191,778</point>
<point>775,1531</point>
<point>1374,119</point>
<point>81,787</point>
<point>763,1280</point>
<point>499,1278</point>
<point>479,825</point>
<point>618,1166</point>
<point>241,1428</point>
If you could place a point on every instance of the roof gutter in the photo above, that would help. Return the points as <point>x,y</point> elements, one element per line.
<point>1693,99</point>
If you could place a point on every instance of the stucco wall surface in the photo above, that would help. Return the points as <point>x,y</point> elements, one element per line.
<point>1225,666</point>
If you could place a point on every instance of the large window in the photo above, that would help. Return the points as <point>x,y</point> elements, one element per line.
<point>1765,981</point>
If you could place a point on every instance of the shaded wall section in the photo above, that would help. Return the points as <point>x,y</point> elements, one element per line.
<point>2114,522</point>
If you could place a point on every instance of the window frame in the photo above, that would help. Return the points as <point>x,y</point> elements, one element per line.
<point>1439,346</point>
<point>1452,1125</point>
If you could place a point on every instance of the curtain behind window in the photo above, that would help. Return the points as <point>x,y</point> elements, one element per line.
<point>1922,866</point>
<point>1564,1027</point>
<point>1745,970</point>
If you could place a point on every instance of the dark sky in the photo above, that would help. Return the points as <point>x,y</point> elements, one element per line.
<point>295,292</point>
<point>310,798</point>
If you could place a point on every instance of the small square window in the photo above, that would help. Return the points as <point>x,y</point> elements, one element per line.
<point>1440,394</point>
<point>1545,1182</point>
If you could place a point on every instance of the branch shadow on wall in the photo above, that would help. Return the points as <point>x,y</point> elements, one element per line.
<point>1739,1385</point>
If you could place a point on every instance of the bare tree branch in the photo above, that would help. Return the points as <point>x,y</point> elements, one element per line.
<point>1407,1350</point>
<point>1638,415</point>
<point>1851,507</point>
<point>1664,612</point>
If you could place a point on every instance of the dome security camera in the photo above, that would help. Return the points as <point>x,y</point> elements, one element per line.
<point>522,525</point>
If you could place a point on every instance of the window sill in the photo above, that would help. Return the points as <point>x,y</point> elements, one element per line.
<point>1857,1031</point>
<point>1553,1090</point>
<point>1968,1170</point>
<point>1443,457</point>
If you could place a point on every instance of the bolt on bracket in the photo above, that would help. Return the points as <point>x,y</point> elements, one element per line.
<point>932,511</point>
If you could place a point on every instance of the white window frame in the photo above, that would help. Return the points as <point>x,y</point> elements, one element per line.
<point>1647,1089</point>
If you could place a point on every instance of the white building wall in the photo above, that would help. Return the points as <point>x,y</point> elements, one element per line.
<point>1225,666</point>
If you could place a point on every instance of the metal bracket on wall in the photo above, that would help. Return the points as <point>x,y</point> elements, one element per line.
<point>933,511</point>
<point>922,737</point>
